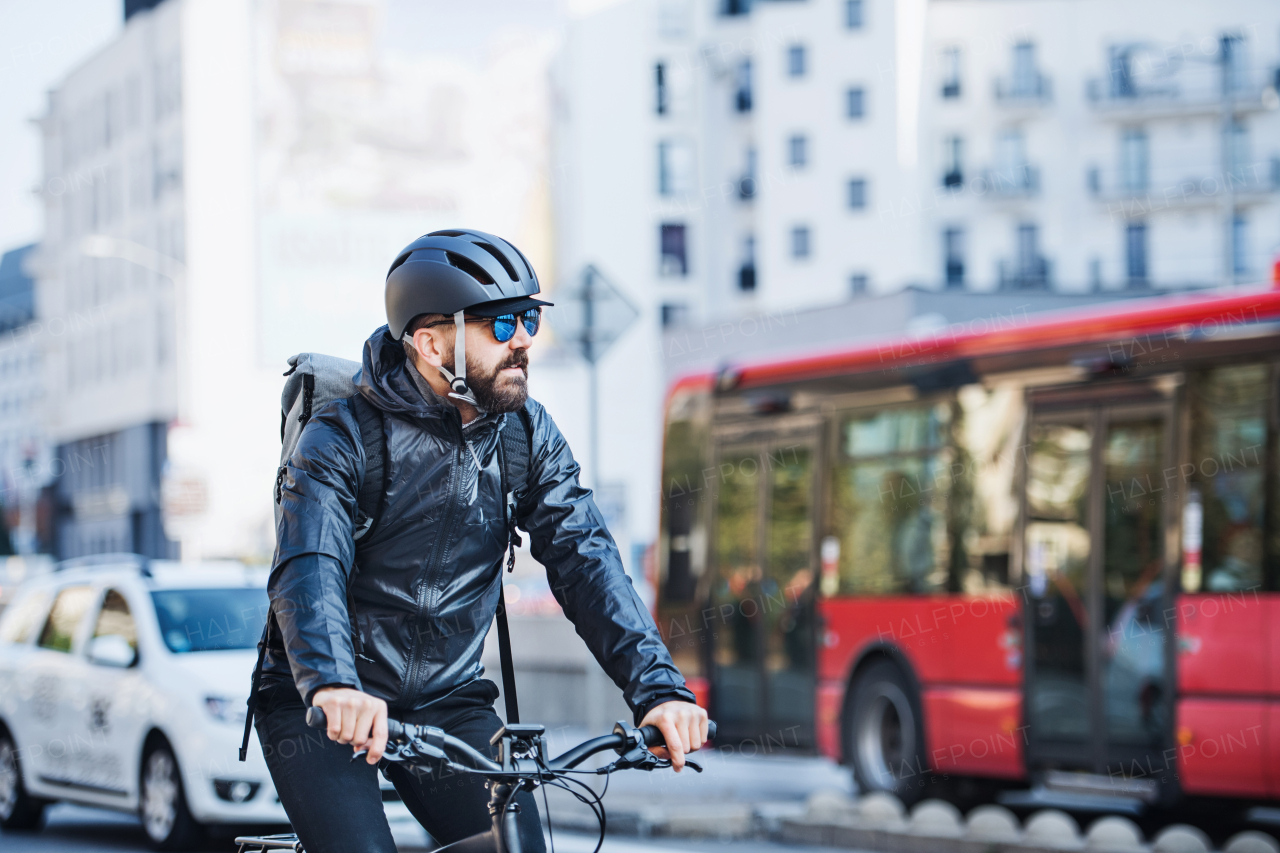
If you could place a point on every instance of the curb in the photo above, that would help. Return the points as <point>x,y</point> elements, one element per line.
<point>880,822</point>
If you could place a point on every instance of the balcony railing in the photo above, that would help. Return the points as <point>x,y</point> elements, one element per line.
<point>1012,182</point>
<point>1160,189</point>
<point>1198,92</point>
<point>1034,274</point>
<point>1024,90</point>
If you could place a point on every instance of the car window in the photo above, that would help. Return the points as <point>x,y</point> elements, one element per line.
<point>68,609</point>
<point>204,620</point>
<point>115,618</point>
<point>22,618</point>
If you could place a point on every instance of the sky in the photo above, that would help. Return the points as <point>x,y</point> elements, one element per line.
<point>41,41</point>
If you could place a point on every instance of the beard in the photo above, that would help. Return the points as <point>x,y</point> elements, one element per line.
<point>496,393</point>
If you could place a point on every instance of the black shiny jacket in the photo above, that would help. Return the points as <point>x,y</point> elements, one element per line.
<point>426,587</point>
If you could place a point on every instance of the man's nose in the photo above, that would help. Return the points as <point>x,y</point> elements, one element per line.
<point>521,339</point>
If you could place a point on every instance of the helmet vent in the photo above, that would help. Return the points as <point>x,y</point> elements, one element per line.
<point>470,267</point>
<point>500,258</point>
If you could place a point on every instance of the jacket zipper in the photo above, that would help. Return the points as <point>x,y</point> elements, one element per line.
<point>412,687</point>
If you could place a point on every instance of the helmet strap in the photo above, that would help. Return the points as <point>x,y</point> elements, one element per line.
<point>458,382</point>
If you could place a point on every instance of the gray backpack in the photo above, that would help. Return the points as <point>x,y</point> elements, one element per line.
<point>313,381</point>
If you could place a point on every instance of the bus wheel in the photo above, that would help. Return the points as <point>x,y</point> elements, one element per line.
<point>884,734</point>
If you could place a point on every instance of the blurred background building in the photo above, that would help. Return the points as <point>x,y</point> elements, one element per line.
<point>24,452</point>
<point>764,176</point>
<point>224,185</point>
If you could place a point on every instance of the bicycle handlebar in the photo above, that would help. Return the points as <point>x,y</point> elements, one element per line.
<point>458,749</point>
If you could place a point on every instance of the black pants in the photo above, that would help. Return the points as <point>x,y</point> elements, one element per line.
<point>334,803</point>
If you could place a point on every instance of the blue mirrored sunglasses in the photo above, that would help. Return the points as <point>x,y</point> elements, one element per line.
<point>504,326</point>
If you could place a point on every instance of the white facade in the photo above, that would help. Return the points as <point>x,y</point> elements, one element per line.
<point>227,184</point>
<point>1090,159</point>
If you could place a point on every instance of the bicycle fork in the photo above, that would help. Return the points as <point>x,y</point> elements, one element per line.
<point>504,835</point>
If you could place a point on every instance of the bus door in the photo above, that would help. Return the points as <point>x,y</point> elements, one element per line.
<point>1099,686</point>
<point>762,610</point>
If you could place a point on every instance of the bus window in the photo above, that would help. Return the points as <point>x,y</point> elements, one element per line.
<point>889,501</point>
<point>984,506</point>
<point>686,494</point>
<point>922,497</point>
<point>1226,474</point>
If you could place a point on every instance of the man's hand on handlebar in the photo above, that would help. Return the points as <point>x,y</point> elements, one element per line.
<point>683,726</point>
<point>355,718</point>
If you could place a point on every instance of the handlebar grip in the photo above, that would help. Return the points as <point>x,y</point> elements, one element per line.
<point>653,737</point>
<point>316,719</point>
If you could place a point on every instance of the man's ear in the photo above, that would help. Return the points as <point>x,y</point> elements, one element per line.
<point>428,343</point>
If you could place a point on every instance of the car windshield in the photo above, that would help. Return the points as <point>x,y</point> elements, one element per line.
<point>205,620</point>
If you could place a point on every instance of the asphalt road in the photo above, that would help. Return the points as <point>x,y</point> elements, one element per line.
<point>73,829</point>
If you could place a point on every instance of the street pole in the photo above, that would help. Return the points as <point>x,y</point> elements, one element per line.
<point>1228,134</point>
<point>593,390</point>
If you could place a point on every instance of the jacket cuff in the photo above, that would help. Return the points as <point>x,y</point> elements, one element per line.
<point>681,694</point>
<point>308,695</point>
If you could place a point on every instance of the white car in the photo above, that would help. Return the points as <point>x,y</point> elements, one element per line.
<point>123,684</point>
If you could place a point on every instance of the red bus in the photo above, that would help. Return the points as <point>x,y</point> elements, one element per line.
<point>1047,554</point>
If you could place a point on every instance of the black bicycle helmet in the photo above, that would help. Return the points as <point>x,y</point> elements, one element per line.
<point>445,272</point>
<point>453,272</point>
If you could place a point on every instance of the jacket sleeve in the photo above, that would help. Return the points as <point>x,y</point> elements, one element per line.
<point>315,551</point>
<point>568,536</point>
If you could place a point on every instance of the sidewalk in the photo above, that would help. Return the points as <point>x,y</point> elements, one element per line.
<point>735,797</point>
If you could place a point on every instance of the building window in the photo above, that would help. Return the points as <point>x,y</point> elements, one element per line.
<point>1135,252</point>
<point>797,61</point>
<point>1235,59</point>
<point>675,167</point>
<point>951,72</point>
<point>858,284</point>
<point>1029,253</point>
<point>798,151</point>
<point>674,314</point>
<point>675,250</point>
<point>855,102</point>
<point>953,151</point>
<point>1239,245</point>
<point>1120,82</point>
<point>1026,80</point>
<point>1133,160</point>
<point>857,190</point>
<point>853,19</point>
<point>801,244</point>
<point>747,183</point>
<point>953,252</point>
<point>747,271</point>
<point>662,103</point>
<point>742,91</point>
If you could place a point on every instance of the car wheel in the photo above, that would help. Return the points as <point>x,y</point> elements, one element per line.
<point>884,734</point>
<point>162,805</point>
<point>18,809</point>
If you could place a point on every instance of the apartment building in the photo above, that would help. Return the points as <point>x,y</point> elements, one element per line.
<point>225,185</point>
<point>25,461</point>
<point>725,159</point>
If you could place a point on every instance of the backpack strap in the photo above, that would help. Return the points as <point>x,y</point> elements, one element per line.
<point>373,489</point>
<point>514,451</point>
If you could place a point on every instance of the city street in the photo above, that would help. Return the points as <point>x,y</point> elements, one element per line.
<point>778,782</point>
<point>72,829</point>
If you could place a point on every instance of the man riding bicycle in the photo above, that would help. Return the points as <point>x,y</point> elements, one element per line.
<point>396,619</point>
